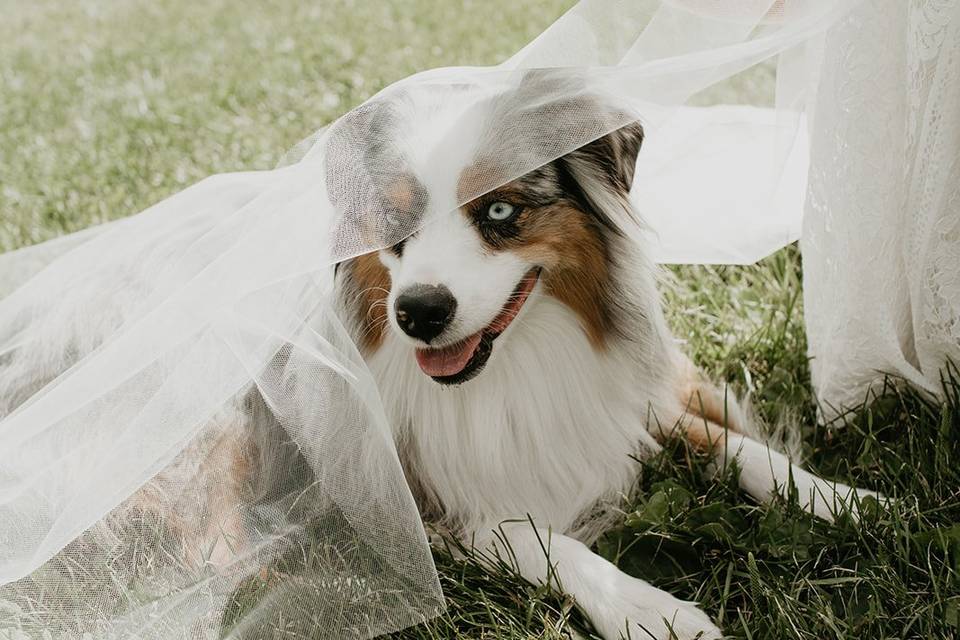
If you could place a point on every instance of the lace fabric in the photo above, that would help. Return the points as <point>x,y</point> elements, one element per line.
<point>881,234</point>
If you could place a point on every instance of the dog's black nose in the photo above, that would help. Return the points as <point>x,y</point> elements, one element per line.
<point>424,311</point>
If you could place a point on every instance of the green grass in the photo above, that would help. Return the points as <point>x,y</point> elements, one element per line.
<point>774,571</point>
<point>108,107</point>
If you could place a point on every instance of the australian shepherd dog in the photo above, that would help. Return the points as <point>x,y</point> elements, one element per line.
<point>522,356</point>
<point>521,352</point>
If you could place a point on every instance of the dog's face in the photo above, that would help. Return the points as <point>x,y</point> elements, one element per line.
<point>453,288</point>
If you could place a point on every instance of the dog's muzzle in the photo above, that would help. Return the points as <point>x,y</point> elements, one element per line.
<point>424,311</point>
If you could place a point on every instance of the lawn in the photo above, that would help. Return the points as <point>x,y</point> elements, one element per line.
<point>109,106</point>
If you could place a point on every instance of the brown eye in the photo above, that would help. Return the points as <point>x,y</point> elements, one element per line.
<point>500,211</point>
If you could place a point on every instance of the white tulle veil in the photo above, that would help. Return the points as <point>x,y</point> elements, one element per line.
<point>131,352</point>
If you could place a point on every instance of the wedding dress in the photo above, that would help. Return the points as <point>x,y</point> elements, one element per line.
<point>881,235</point>
<point>227,288</point>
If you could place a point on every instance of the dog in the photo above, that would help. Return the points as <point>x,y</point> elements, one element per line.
<point>521,354</point>
<point>520,349</point>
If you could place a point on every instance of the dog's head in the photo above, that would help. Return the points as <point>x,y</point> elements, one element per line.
<point>455,285</point>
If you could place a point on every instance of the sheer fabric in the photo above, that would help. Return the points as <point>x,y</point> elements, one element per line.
<point>193,447</point>
<point>881,235</point>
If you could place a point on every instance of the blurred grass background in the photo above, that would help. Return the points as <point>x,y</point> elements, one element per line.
<point>108,106</point>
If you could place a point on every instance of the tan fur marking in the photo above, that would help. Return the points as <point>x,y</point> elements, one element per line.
<point>400,193</point>
<point>705,435</point>
<point>225,472</point>
<point>707,415</point>
<point>373,284</point>
<point>198,498</point>
<point>702,434</point>
<point>702,398</point>
<point>559,239</point>
<point>576,270</point>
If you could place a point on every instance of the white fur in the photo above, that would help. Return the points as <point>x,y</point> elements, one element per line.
<point>515,440</point>
<point>618,605</point>
<point>447,251</point>
<point>546,431</point>
<point>766,473</point>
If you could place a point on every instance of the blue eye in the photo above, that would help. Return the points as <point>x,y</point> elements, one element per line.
<point>500,211</point>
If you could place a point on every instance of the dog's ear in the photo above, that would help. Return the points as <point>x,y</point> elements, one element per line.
<point>551,107</point>
<point>612,158</point>
<point>564,106</point>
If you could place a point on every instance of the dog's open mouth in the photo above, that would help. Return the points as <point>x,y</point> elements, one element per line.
<point>463,360</point>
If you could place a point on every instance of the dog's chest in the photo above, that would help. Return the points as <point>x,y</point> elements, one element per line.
<point>546,430</point>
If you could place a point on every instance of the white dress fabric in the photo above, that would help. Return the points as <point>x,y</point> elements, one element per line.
<point>881,234</point>
<point>130,354</point>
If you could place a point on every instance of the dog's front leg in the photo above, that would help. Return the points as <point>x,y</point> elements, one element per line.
<point>618,605</point>
<point>714,421</point>
<point>765,473</point>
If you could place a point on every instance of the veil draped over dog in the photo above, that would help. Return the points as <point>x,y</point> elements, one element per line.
<point>132,354</point>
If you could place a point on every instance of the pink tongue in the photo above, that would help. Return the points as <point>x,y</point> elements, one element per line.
<point>450,360</point>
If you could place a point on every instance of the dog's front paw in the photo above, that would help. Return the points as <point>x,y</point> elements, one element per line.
<point>837,498</point>
<point>634,609</point>
<point>828,500</point>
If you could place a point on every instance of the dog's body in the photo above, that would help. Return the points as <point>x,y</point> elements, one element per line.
<point>526,402</point>
<point>547,431</point>
<point>527,364</point>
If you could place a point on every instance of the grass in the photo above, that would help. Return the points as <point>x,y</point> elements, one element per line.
<point>109,107</point>
<point>774,571</point>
